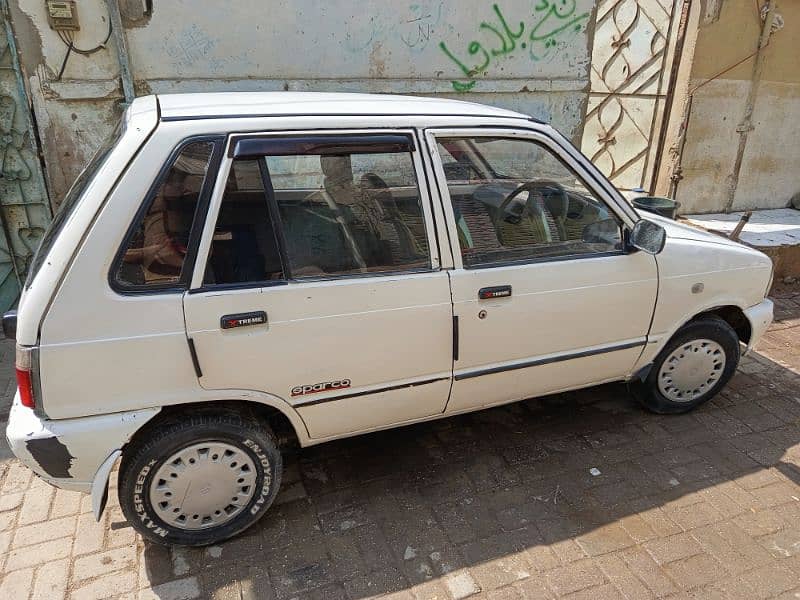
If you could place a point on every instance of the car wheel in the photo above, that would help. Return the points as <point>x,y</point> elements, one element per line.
<point>199,480</point>
<point>696,363</point>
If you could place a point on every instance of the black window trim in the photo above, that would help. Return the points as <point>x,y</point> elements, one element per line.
<point>198,221</point>
<point>615,210</point>
<point>323,144</point>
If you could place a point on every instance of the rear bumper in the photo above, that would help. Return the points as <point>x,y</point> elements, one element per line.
<point>68,453</point>
<point>760,317</point>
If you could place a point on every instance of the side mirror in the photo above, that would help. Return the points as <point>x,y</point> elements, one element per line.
<point>648,236</point>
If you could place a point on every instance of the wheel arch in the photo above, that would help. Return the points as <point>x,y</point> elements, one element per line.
<point>731,313</point>
<point>284,421</point>
<point>733,316</point>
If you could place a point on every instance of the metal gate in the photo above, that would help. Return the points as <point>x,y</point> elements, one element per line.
<point>24,208</point>
<point>631,73</point>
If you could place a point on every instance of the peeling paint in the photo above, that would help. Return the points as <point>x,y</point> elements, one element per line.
<point>53,456</point>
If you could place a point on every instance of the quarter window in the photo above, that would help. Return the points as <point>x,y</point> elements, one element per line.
<point>156,250</point>
<point>514,201</point>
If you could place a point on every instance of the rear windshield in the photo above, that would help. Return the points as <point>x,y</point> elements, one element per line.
<point>72,199</point>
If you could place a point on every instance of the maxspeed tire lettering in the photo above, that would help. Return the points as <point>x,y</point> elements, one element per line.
<point>267,483</point>
<point>138,501</point>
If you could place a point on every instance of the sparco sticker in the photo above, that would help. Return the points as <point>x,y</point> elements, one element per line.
<point>315,388</point>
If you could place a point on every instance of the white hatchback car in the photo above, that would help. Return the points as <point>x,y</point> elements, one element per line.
<point>236,269</point>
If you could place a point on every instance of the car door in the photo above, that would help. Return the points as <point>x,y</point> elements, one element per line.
<point>318,280</point>
<point>545,295</point>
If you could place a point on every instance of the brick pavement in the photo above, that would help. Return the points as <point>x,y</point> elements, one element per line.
<point>497,504</point>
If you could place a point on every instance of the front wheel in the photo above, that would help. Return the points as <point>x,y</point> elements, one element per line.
<point>199,480</point>
<point>691,369</point>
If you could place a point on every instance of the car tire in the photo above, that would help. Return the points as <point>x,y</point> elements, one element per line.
<point>691,369</point>
<point>199,480</point>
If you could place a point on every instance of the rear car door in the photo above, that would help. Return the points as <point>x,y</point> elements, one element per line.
<point>546,296</point>
<point>318,280</point>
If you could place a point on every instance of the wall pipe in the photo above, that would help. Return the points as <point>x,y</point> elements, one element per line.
<point>125,70</point>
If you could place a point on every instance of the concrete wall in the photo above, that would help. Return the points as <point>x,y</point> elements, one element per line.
<point>770,157</point>
<point>528,55</point>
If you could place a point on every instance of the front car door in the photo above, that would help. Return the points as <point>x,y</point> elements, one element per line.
<point>545,294</point>
<point>318,280</point>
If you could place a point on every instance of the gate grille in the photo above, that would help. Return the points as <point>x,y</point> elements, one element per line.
<point>632,56</point>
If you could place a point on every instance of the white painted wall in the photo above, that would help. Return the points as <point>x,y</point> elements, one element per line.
<point>528,55</point>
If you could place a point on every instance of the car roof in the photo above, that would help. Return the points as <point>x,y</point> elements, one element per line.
<point>176,107</point>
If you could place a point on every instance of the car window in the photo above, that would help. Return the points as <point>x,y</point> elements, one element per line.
<point>244,248</point>
<point>157,247</point>
<point>348,213</point>
<point>515,201</point>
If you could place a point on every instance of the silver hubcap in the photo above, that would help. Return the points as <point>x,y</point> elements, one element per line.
<point>203,485</point>
<point>691,370</point>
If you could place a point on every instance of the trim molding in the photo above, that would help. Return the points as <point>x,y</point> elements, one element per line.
<point>546,361</point>
<point>390,388</point>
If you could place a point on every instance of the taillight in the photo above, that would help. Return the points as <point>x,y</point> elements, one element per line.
<point>24,368</point>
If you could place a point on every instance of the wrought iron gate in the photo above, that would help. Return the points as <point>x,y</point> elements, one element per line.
<point>631,70</point>
<point>24,208</point>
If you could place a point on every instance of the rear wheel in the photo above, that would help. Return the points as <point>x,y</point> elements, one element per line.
<point>200,480</point>
<point>692,368</point>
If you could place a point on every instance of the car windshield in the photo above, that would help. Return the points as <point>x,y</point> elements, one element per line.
<point>72,199</point>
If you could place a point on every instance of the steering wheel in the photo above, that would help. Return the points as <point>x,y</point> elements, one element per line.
<point>530,187</point>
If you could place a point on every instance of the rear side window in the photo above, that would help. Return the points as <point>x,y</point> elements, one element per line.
<point>350,212</point>
<point>323,206</point>
<point>155,252</point>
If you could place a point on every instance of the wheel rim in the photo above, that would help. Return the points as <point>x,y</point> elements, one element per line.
<point>203,485</point>
<point>691,370</point>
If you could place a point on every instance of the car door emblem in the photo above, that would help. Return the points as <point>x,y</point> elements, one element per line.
<point>258,317</point>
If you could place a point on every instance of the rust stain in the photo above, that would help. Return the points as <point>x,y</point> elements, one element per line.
<point>377,61</point>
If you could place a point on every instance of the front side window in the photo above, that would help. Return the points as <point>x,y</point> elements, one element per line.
<point>515,201</point>
<point>157,246</point>
<point>348,212</point>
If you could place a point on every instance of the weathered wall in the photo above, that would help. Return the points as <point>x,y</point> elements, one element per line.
<point>729,31</point>
<point>528,55</point>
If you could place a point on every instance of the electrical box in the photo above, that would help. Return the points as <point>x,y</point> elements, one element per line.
<point>62,15</point>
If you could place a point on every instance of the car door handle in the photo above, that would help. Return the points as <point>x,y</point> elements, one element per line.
<point>498,291</point>
<point>256,317</point>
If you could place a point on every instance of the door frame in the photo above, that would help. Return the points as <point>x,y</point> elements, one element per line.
<point>437,240</point>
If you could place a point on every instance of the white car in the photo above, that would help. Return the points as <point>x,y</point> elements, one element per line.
<point>236,269</point>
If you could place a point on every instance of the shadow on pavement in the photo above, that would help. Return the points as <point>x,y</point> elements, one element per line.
<point>514,493</point>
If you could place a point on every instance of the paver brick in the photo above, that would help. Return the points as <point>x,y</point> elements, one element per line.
<point>41,532</point>
<point>180,589</point>
<point>109,586</point>
<point>672,548</point>
<point>36,504</point>
<point>694,571</point>
<point>51,580</point>
<point>17,584</point>
<point>103,563</point>
<point>38,554</point>
<point>65,503</point>
<point>575,576</point>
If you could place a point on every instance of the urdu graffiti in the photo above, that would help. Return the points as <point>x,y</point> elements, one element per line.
<point>552,21</point>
